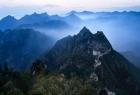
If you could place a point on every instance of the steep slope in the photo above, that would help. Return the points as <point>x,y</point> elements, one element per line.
<point>91,56</point>
<point>18,48</point>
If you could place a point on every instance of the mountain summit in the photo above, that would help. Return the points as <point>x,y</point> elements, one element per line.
<point>8,21</point>
<point>98,41</point>
<point>84,31</point>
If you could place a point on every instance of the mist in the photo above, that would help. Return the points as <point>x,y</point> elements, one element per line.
<point>121,28</point>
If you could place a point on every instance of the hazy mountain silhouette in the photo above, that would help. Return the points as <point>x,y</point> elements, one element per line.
<point>34,21</point>
<point>7,22</point>
<point>72,19</point>
<point>20,47</point>
<point>34,18</point>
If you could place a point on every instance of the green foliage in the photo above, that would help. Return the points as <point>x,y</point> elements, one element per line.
<point>59,85</point>
<point>14,83</point>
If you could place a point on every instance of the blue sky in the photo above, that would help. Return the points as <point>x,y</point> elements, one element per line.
<point>19,8</point>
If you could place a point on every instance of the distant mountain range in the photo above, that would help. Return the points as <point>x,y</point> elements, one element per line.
<point>116,26</point>
<point>39,21</point>
<point>71,19</point>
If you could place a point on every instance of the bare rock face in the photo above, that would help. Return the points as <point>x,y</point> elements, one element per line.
<point>37,67</point>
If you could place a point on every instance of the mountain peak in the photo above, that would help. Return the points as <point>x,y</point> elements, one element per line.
<point>8,18</point>
<point>85,31</point>
<point>73,12</point>
<point>72,15</point>
<point>100,33</point>
<point>85,28</point>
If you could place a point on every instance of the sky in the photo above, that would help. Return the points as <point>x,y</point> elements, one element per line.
<point>18,8</point>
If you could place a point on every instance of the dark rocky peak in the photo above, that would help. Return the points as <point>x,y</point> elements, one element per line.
<point>98,39</point>
<point>100,33</point>
<point>85,32</point>
<point>100,36</point>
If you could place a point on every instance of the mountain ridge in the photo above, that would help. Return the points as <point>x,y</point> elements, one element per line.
<point>91,56</point>
<point>36,20</point>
